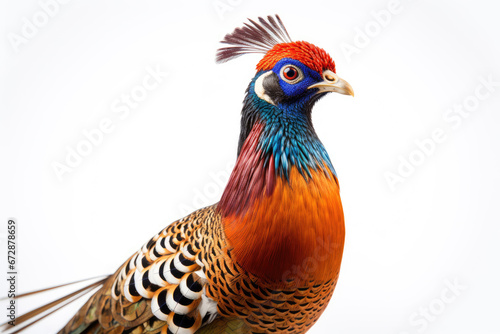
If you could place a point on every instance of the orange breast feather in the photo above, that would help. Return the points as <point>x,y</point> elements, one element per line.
<point>295,233</point>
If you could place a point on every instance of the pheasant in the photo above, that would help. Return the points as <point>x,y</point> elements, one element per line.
<point>266,257</point>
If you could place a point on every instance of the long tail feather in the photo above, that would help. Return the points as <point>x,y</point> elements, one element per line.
<point>52,306</point>
<point>55,287</point>
<point>76,297</point>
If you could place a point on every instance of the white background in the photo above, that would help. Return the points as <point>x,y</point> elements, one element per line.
<point>171,154</point>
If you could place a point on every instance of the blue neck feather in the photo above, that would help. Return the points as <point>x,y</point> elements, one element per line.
<point>288,134</point>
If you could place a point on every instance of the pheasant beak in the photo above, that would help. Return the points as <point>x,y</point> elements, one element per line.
<point>332,83</point>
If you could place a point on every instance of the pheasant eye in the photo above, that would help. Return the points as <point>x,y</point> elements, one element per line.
<point>291,74</point>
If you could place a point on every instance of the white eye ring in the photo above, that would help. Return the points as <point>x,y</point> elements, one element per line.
<point>296,78</point>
